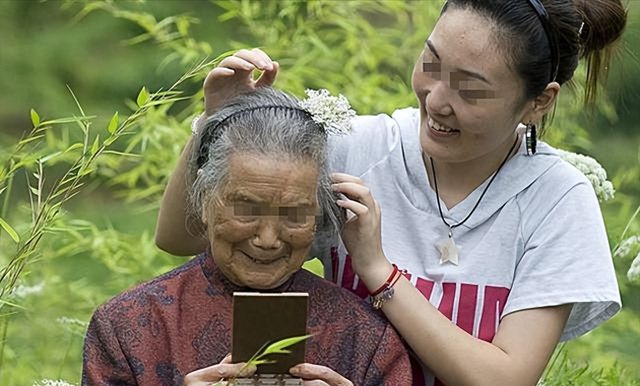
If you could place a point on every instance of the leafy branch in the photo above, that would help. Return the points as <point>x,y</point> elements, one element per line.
<point>46,205</point>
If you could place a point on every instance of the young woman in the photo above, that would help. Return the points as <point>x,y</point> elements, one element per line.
<point>501,244</point>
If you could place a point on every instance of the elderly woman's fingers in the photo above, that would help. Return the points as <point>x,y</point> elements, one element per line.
<point>223,370</point>
<point>316,375</point>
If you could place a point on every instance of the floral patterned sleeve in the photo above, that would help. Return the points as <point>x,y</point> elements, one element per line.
<point>104,363</point>
<point>390,363</point>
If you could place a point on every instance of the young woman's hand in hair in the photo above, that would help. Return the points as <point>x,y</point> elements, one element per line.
<point>362,231</point>
<point>234,75</point>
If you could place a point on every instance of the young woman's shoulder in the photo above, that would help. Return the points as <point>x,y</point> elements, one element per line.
<point>565,171</point>
<point>372,139</point>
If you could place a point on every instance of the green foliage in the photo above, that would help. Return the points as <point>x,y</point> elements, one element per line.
<point>279,347</point>
<point>80,193</point>
<point>562,371</point>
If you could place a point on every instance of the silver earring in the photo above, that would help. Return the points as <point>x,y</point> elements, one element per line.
<point>530,138</point>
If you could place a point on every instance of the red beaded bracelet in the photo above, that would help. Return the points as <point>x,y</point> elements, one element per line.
<point>386,283</point>
<point>385,292</point>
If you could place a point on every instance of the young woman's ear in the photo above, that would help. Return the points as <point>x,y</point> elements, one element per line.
<point>543,103</point>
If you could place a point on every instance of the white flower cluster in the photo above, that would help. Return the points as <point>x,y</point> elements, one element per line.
<point>633,274</point>
<point>626,247</point>
<point>334,113</point>
<point>22,291</point>
<point>625,250</point>
<point>72,322</point>
<point>594,172</point>
<point>51,382</point>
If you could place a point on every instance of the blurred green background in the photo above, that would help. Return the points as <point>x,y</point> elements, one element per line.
<point>106,51</point>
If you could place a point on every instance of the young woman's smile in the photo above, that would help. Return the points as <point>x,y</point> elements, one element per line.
<point>470,99</point>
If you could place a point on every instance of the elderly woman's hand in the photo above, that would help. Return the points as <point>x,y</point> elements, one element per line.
<point>316,375</point>
<point>234,76</point>
<point>223,370</point>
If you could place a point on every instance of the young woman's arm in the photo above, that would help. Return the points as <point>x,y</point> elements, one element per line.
<point>518,354</point>
<point>176,232</point>
<point>520,350</point>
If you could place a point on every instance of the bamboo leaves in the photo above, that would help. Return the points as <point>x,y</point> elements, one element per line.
<point>35,118</point>
<point>113,123</point>
<point>12,233</point>
<point>83,159</point>
<point>143,97</point>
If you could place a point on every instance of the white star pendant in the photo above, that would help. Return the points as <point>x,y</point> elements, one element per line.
<point>448,250</point>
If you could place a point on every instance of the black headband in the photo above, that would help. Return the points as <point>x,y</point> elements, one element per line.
<point>211,133</point>
<point>543,15</point>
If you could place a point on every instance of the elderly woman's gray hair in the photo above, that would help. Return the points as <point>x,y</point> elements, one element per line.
<point>263,122</point>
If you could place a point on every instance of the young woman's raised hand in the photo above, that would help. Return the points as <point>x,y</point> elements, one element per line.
<point>361,234</point>
<point>234,75</point>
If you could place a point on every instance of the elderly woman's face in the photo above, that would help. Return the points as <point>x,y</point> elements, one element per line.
<point>262,225</point>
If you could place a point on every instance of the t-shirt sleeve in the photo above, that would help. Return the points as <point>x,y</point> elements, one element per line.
<point>566,257</point>
<point>370,142</point>
<point>104,363</point>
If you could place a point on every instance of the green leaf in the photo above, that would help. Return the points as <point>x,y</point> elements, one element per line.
<point>109,141</point>
<point>3,302</point>
<point>280,346</point>
<point>35,191</point>
<point>50,156</point>
<point>74,146</point>
<point>35,118</point>
<point>143,97</point>
<point>96,143</point>
<point>29,139</point>
<point>113,124</point>
<point>12,233</point>
<point>262,362</point>
<point>83,119</point>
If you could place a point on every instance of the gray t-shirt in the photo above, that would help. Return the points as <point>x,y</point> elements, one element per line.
<point>537,238</point>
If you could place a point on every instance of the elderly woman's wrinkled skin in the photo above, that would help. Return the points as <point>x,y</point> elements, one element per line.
<point>262,225</point>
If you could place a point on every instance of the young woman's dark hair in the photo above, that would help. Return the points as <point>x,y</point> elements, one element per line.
<point>528,30</point>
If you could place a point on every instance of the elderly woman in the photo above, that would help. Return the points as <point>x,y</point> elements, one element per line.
<point>260,181</point>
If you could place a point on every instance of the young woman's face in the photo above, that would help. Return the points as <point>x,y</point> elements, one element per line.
<point>470,100</point>
<point>262,225</point>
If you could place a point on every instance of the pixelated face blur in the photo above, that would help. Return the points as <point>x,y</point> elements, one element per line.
<point>262,224</point>
<point>470,99</point>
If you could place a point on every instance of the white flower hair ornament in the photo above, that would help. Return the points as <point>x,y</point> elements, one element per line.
<point>594,172</point>
<point>333,113</point>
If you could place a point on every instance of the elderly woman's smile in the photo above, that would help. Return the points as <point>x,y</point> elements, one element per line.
<point>262,224</point>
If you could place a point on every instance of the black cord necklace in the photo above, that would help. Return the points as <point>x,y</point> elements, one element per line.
<point>448,248</point>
